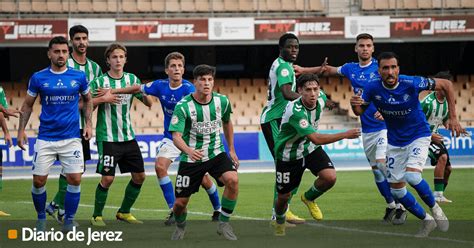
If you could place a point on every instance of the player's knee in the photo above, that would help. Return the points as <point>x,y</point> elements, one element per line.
<point>161,169</point>
<point>106,181</point>
<point>413,177</point>
<point>398,193</point>
<point>138,178</point>
<point>283,197</point>
<point>232,182</point>
<point>39,182</point>
<point>448,169</point>
<point>206,182</point>
<point>329,180</point>
<point>179,205</point>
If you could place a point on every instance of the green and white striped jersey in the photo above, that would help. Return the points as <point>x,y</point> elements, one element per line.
<point>3,98</point>
<point>436,112</point>
<point>297,122</point>
<point>113,120</point>
<point>200,124</point>
<point>281,73</point>
<point>91,69</point>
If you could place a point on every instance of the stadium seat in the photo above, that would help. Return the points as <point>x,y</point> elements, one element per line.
<point>217,5</point>
<point>452,4</point>
<point>144,5</point>
<point>231,5</point>
<point>129,6</point>
<point>260,5</point>
<point>368,5</point>
<point>395,4</point>
<point>38,6</point>
<point>84,6</point>
<point>273,5</point>
<point>99,6</point>
<point>437,4</point>
<point>187,6</point>
<point>246,5</point>
<point>381,4</point>
<point>316,5</point>
<point>158,6</point>
<point>8,6</point>
<point>172,6</point>
<point>202,5</point>
<point>410,4</point>
<point>24,6</point>
<point>467,4</point>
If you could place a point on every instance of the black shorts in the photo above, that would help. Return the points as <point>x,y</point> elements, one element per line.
<point>289,173</point>
<point>435,151</point>
<point>190,175</point>
<point>86,148</point>
<point>126,154</point>
<point>270,132</point>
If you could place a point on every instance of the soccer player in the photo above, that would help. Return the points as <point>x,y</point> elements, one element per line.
<point>374,132</point>
<point>115,136</point>
<point>79,36</point>
<point>59,88</point>
<point>396,99</point>
<point>195,127</point>
<point>298,147</point>
<point>170,91</point>
<point>435,107</point>
<point>281,89</point>
<point>6,136</point>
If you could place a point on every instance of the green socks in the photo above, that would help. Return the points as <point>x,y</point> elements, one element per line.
<point>100,199</point>
<point>226,209</point>
<point>313,193</point>
<point>61,194</point>
<point>131,193</point>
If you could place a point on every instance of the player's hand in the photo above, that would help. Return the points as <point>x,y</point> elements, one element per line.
<point>356,100</point>
<point>298,70</point>
<point>111,98</point>
<point>235,159</point>
<point>353,133</point>
<point>22,140</point>
<point>8,139</point>
<point>87,132</point>
<point>324,67</point>
<point>437,138</point>
<point>10,112</point>
<point>195,155</point>
<point>378,116</point>
<point>101,91</point>
<point>454,126</point>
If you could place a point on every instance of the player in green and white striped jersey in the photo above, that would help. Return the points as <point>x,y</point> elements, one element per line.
<point>195,126</point>
<point>6,136</point>
<point>79,38</point>
<point>115,136</point>
<point>281,89</point>
<point>298,147</point>
<point>435,107</point>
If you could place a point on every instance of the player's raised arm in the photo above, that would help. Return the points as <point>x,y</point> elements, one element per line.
<point>323,70</point>
<point>26,110</point>
<point>452,123</point>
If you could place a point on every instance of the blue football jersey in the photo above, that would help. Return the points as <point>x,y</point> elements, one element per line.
<point>168,97</point>
<point>359,77</point>
<point>59,95</point>
<point>401,108</point>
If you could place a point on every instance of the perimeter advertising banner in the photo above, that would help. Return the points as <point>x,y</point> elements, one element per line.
<point>249,146</point>
<point>304,28</point>
<point>432,26</point>
<point>161,30</point>
<point>31,30</point>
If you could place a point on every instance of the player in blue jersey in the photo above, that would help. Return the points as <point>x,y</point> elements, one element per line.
<point>170,91</point>
<point>59,88</point>
<point>374,132</point>
<point>396,99</point>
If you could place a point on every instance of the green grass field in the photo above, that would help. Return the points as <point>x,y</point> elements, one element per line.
<point>352,210</point>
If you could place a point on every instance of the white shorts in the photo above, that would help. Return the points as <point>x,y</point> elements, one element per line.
<point>413,155</point>
<point>167,150</point>
<point>68,151</point>
<point>375,146</point>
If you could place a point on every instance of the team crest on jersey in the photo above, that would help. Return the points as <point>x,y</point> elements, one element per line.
<point>285,72</point>
<point>174,120</point>
<point>372,75</point>
<point>378,97</point>
<point>303,123</point>
<point>74,83</point>
<point>406,97</point>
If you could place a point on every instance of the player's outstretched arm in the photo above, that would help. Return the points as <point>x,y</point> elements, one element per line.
<point>9,112</point>
<point>25,114</point>
<point>229,137</point>
<point>323,139</point>
<point>148,101</point>
<point>127,90</point>
<point>6,133</point>
<point>323,70</point>
<point>452,123</point>
<point>288,94</point>
<point>87,111</point>
<point>182,146</point>
<point>106,97</point>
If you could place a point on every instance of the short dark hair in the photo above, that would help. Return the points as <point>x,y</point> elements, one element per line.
<point>444,75</point>
<point>364,36</point>
<point>306,77</point>
<point>387,55</point>
<point>77,29</point>
<point>112,47</point>
<point>57,40</point>
<point>173,55</point>
<point>203,69</point>
<point>285,37</point>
